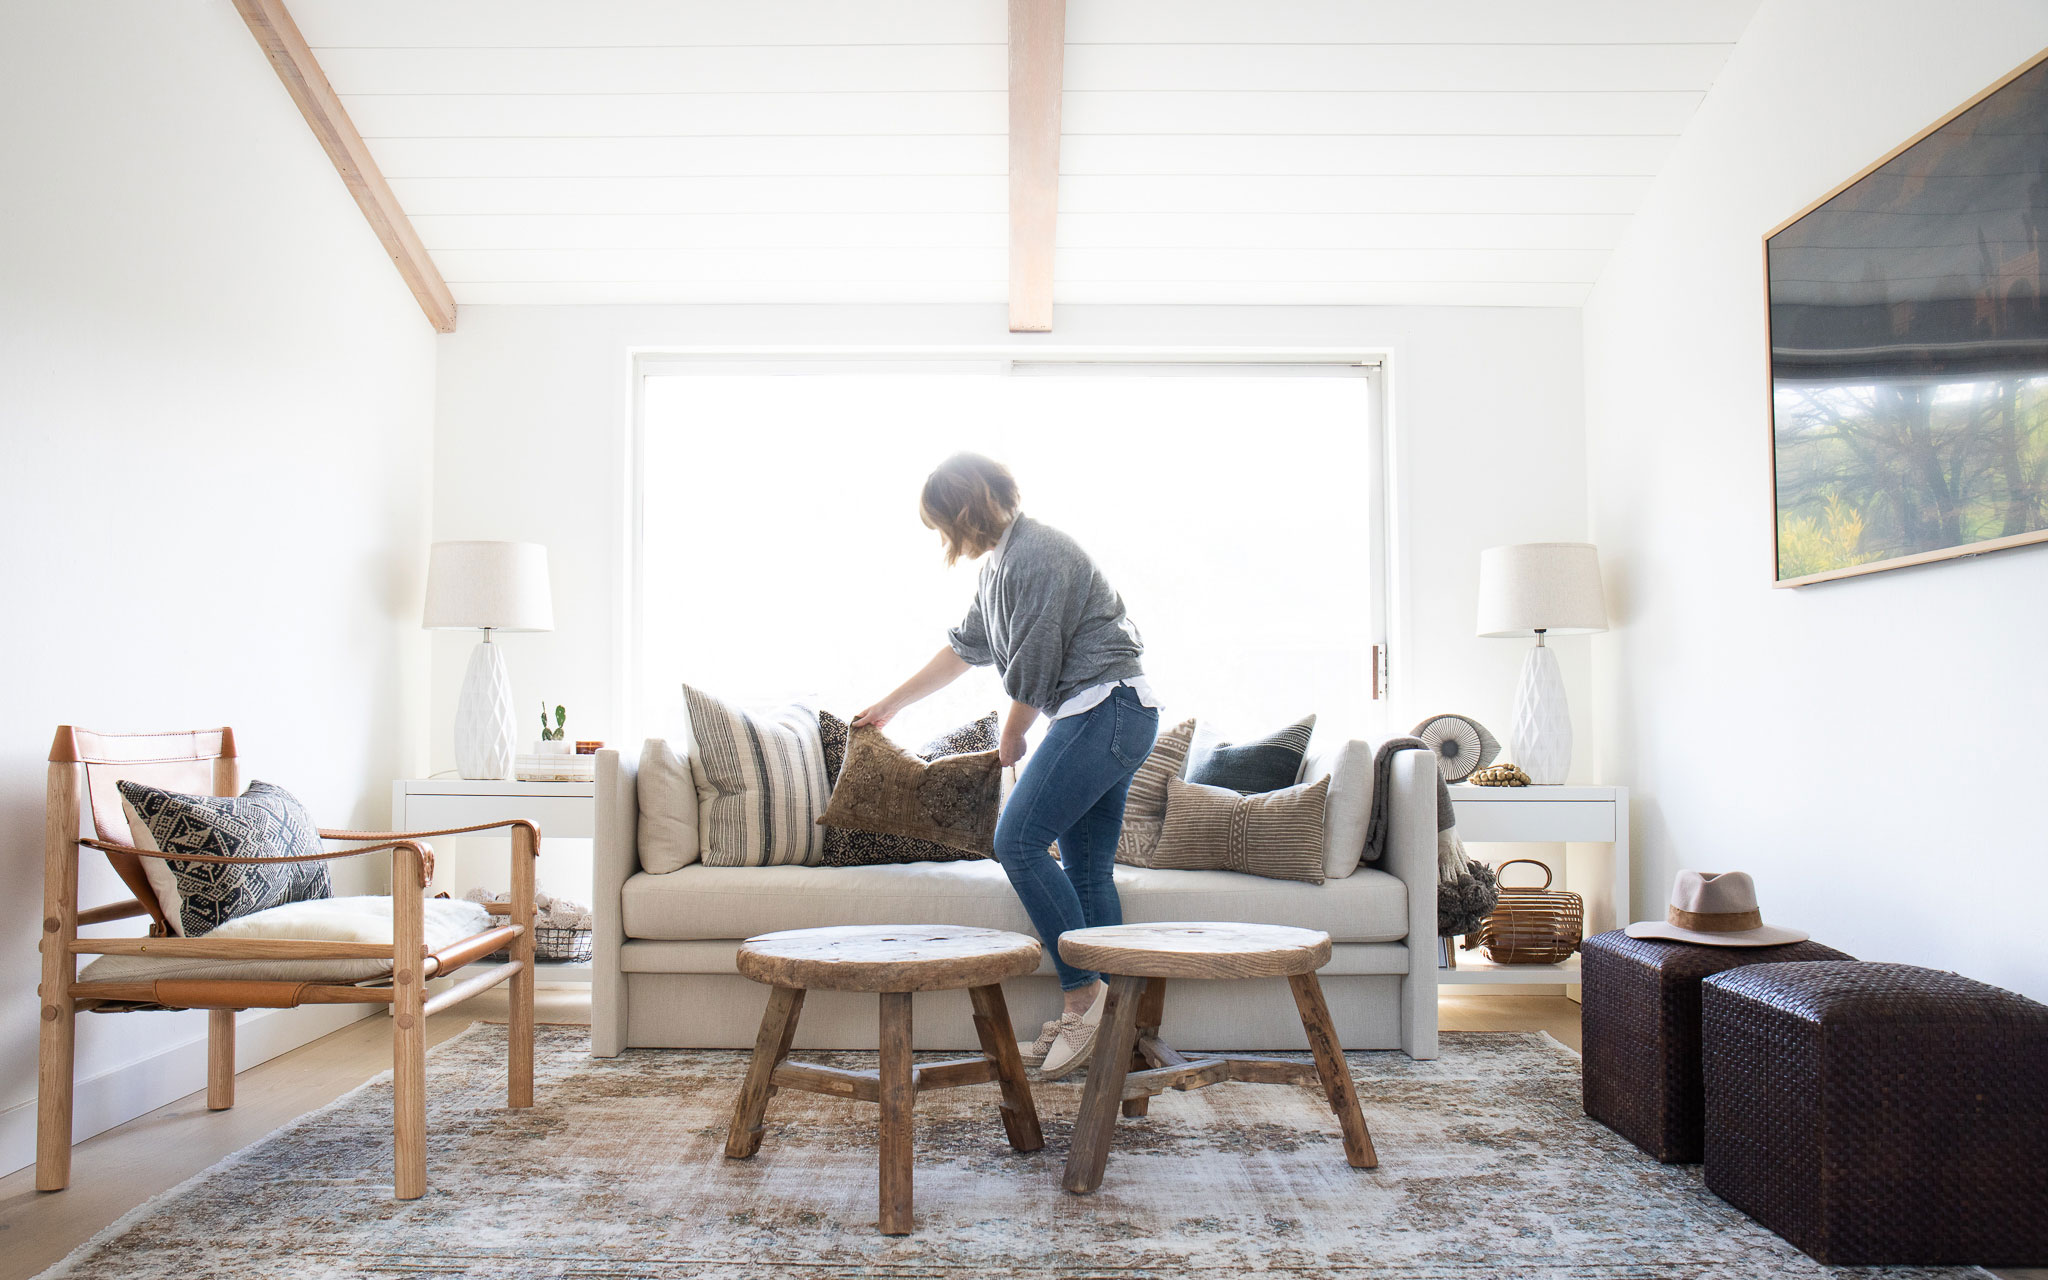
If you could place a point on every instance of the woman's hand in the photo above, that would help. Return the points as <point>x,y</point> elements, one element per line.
<point>1012,748</point>
<point>876,716</point>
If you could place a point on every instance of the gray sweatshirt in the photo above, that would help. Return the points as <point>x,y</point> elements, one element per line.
<point>1047,619</point>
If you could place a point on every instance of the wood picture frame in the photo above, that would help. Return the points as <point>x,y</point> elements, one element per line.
<point>1885,361</point>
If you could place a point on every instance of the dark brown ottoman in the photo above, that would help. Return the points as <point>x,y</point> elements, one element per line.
<point>1880,1114</point>
<point>1641,1021</point>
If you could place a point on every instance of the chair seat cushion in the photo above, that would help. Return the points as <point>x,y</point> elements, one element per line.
<point>363,919</point>
<point>700,902</point>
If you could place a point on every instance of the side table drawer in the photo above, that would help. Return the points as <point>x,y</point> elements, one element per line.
<point>570,817</point>
<point>1535,820</point>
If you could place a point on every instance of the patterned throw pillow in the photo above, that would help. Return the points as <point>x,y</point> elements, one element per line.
<point>1263,764</point>
<point>883,788</point>
<point>1145,805</point>
<point>760,783</point>
<point>1278,835</point>
<point>844,848</point>
<point>263,822</point>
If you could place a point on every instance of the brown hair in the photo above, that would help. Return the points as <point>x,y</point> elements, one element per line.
<point>970,500</point>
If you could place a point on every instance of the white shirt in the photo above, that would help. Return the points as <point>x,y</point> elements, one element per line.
<point>1094,696</point>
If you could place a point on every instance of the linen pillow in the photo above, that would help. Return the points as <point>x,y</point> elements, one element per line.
<point>1145,804</point>
<point>760,780</point>
<point>265,821</point>
<point>1278,835</point>
<point>883,788</point>
<point>1263,764</point>
<point>1348,766</point>
<point>846,848</point>
<point>668,809</point>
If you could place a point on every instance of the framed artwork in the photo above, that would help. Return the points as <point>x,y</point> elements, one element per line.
<point>1909,348</point>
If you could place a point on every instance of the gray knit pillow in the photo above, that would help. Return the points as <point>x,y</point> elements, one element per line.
<point>1276,834</point>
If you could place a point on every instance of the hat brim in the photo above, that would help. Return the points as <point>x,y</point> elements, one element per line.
<point>1764,936</point>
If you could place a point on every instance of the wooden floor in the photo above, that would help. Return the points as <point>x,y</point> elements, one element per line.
<point>121,1168</point>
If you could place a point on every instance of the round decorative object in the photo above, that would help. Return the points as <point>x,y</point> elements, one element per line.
<point>1500,775</point>
<point>1461,743</point>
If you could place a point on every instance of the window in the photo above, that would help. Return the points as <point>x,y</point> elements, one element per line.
<point>1236,508</point>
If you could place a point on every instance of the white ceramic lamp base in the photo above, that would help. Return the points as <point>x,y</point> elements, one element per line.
<point>483,717</point>
<point>1540,738</point>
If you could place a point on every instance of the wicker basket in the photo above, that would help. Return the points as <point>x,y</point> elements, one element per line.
<point>1533,926</point>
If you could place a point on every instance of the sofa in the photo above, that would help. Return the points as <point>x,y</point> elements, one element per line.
<point>662,962</point>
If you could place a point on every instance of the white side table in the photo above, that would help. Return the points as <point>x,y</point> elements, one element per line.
<point>1594,815</point>
<point>564,810</point>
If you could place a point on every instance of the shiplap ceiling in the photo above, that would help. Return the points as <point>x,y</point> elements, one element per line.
<point>1482,152</point>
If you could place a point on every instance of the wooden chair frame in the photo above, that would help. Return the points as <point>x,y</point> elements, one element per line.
<point>78,758</point>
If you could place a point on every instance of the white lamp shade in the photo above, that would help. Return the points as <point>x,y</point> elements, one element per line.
<point>499,585</point>
<point>1540,586</point>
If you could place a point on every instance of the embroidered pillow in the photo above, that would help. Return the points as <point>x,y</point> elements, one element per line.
<point>263,822</point>
<point>1278,835</point>
<point>1145,804</point>
<point>883,788</point>
<point>1263,764</point>
<point>760,779</point>
<point>848,848</point>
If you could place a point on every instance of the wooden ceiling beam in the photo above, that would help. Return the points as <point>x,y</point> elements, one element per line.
<point>274,29</point>
<point>1038,49</point>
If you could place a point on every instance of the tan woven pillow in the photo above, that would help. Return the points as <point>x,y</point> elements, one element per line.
<point>1276,834</point>
<point>886,789</point>
<point>1145,805</point>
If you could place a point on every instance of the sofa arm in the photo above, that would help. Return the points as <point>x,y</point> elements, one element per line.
<point>616,856</point>
<point>1411,856</point>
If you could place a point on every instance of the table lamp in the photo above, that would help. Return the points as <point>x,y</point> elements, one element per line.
<point>487,586</point>
<point>1545,588</point>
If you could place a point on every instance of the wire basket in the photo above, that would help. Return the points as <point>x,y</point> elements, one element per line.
<point>554,946</point>
<point>1533,926</point>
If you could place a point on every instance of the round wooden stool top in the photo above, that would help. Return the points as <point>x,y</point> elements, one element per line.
<point>888,957</point>
<point>1197,949</point>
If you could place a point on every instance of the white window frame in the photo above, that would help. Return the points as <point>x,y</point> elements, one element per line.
<point>1386,520</point>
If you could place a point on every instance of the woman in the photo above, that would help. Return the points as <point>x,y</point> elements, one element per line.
<point>1057,633</point>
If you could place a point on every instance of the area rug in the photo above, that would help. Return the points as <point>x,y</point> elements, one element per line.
<point>1487,1169</point>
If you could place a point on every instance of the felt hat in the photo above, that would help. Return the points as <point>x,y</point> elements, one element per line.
<point>1715,909</point>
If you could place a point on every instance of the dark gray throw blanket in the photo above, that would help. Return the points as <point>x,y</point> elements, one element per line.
<point>1465,889</point>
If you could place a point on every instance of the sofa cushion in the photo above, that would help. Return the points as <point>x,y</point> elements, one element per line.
<point>1145,802</point>
<point>760,783</point>
<point>668,808</point>
<point>1262,764</point>
<point>704,902</point>
<point>1347,763</point>
<point>883,788</point>
<point>1278,834</point>
<point>845,847</point>
<point>358,919</point>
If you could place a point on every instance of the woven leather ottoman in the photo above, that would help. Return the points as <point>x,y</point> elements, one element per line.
<point>1641,1021</point>
<point>1880,1114</point>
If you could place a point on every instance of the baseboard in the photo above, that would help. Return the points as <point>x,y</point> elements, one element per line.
<point>118,1096</point>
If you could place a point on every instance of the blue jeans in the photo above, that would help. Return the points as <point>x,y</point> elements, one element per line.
<point>1073,791</point>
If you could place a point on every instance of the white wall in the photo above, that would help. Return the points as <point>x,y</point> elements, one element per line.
<point>1865,747</point>
<point>530,440</point>
<point>216,398</point>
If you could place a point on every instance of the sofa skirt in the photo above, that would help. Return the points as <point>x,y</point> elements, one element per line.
<point>722,1010</point>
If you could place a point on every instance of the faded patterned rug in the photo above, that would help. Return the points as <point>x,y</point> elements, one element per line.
<point>1487,1169</point>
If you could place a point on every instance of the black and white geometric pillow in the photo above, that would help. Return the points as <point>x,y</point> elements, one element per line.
<point>263,822</point>
<point>845,848</point>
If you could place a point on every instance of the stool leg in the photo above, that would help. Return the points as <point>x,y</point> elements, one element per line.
<point>1151,1011</point>
<point>1095,1126</point>
<point>1336,1073</point>
<point>771,1046</point>
<point>898,1092</point>
<point>999,1043</point>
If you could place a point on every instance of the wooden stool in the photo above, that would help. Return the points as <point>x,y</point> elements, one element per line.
<point>893,961</point>
<point>1131,1062</point>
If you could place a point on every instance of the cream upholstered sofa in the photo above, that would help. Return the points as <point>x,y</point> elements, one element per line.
<point>663,971</point>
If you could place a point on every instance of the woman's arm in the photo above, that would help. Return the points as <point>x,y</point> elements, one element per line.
<point>945,667</point>
<point>1018,723</point>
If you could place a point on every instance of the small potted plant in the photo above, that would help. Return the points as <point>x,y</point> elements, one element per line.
<point>554,739</point>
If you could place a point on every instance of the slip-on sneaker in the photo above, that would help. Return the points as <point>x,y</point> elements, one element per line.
<point>1034,1053</point>
<point>1076,1036</point>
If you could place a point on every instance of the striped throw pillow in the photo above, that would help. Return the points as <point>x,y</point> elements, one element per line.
<point>1145,804</point>
<point>760,779</point>
<point>1276,834</point>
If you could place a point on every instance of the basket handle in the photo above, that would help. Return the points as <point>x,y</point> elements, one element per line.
<point>1501,870</point>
